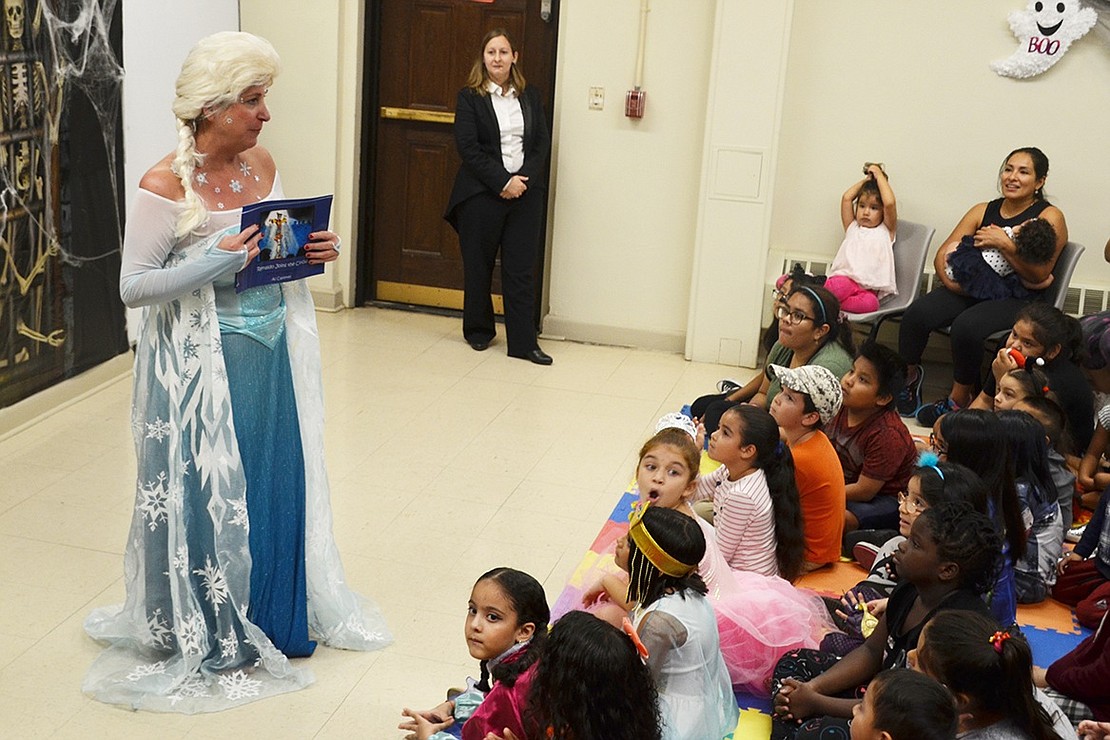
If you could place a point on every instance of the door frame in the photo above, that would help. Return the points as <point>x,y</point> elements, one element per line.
<point>368,141</point>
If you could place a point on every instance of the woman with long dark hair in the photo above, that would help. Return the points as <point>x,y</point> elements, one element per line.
<point>1021,180</point>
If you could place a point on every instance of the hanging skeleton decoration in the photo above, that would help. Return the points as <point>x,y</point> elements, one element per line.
<point>1044,30</point>
<point>31,316</point>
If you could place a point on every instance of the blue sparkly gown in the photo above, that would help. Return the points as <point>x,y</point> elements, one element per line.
<point>230,565</point>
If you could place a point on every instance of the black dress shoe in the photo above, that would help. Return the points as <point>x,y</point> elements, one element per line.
<point>478,344</point>
<point>537,356</point>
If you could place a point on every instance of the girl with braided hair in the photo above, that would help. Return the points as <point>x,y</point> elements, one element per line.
<point>230,565</point>
<point>677,625</point>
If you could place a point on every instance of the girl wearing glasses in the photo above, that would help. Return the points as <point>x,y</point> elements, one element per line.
<point>811,332</point>
<point>932,484</point>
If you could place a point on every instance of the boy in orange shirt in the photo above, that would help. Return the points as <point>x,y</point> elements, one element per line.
<point>810,398</point>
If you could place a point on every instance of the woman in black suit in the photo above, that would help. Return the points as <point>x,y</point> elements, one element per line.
<point>497,201</point>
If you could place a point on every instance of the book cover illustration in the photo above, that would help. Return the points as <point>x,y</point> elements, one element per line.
<point>285,226</point>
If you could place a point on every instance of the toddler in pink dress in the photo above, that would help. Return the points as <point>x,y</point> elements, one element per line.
<point>862,273</point>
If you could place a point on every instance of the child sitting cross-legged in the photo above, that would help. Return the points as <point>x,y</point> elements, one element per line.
<point>933,483</point>
<point>759,617</point>
<point>810,398</point>
<point>876,451</point>
<point>948,562</point>
<point>989,671</point>
<point>506,630</point>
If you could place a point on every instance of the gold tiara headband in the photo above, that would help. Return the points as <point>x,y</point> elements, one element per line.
<point>655,554</point>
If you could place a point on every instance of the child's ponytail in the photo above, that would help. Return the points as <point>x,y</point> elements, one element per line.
<point>773,457</point>
<point>527,597</point>
<point>969,654</point>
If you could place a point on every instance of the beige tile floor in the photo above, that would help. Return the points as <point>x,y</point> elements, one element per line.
<point>444,462</point>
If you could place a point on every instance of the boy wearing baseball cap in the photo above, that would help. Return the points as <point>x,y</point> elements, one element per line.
<point>810,398</point>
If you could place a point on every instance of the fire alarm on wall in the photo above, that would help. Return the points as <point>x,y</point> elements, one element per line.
<point>634,103</point>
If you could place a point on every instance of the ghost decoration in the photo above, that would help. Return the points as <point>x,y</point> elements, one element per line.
<point>1044,31</point>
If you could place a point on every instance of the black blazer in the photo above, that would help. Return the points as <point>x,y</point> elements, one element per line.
<point>478,139</point>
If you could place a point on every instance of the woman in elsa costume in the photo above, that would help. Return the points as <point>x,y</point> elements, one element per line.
<point>230,560</point>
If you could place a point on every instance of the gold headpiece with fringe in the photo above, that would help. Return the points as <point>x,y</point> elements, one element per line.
<point>655,554</point>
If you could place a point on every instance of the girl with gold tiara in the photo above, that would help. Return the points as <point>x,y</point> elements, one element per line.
<point>677,624</point>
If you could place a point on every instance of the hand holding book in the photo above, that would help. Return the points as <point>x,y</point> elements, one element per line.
<point>290,241</point>
<point>323,246</point>
<point>247,239</point>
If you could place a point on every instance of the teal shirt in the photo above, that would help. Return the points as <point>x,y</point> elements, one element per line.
<point>831,356</point>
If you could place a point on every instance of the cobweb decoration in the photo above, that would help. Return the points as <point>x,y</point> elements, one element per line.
<point>60,209</point>
<point>81,56</point>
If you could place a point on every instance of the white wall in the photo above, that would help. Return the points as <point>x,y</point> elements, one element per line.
<point>894,81</point>
<point>738,171</point>
<point>907,83</point>
<point>150,69</point>
<point>625,191</point>
<point>314,134</point>
<point>157,34</point>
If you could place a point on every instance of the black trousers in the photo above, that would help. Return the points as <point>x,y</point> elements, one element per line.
<point>488,223</point>
<point>710,409</point>
<point>972,321</point>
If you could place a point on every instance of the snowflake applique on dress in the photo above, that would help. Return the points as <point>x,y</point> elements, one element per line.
<point>190,632</point>
<point>181,561</point>
<point>229,646</point>
<point>236,186</point>
<point>240,519</point>
<point>189,348</point>
<point>245,168</point>
<point>191,688</point>
<point>239,685</point>
<point>152,501</point>
<point>201,178</point>
<point>157,429</point>
<point>215,584</point>
<point>159,629</point>
<point>146,669</point>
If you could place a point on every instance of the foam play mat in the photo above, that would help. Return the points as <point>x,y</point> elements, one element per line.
<point>1050,626</point>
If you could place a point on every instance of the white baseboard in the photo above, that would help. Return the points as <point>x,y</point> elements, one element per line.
<point>328,300</point>
<point>51,400</point>
<point>580,331</point>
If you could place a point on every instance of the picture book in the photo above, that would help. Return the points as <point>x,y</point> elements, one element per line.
<point>285,226</point>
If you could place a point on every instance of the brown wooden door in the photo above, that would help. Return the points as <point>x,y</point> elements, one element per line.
<point>425,49</point>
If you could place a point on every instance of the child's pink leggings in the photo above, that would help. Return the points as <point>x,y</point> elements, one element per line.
<point>852,297</point>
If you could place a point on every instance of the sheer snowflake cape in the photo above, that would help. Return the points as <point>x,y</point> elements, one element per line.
<point>181,641</point>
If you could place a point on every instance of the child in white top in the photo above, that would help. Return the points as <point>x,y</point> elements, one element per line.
<point>862,272</point>
<point>677,624</point>
<point>756,513</point>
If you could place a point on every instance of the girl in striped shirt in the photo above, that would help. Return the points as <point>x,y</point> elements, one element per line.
<point>756,514</point>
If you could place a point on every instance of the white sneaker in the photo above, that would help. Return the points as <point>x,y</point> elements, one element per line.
<point>1074,534</point>
<point>728,385</point>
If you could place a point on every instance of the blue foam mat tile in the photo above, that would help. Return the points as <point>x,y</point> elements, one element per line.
<point>623,509</point>
<point>1048,645</point>
<point>756,703</point>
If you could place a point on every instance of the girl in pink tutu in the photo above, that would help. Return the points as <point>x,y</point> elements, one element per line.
<point>759,618</point>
